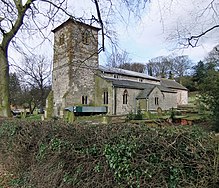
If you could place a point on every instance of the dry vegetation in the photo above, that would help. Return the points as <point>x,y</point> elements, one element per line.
<point>58,155</point>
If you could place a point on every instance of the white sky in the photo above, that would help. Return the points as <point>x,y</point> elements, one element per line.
<point>150,36</point>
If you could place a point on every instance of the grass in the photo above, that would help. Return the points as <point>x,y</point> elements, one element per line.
<point>34,117</point>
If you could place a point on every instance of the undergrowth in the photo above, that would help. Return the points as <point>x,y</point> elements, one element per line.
<point>58,155</point>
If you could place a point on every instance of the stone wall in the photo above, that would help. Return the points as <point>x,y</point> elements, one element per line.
<point>142,104</point>
<point>182,97</point>
<point>102,86</point>
<point>166,100</point>
<point>75,76</point>
<point>170,101</point>
<point>131,105</point>
<point>75,64</point>
<point>151,99</point>
<point>60,74</point>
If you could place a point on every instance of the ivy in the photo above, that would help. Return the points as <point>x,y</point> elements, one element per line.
<point>119,157</point>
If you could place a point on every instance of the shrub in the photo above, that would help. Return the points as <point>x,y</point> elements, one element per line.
<point>133,116</point>
<point>56,154</point>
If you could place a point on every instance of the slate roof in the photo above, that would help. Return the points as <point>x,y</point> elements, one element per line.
<point>145,87</point>
<point>172,84</point>
<point>165,84</point>
<point>73,21</point>
<point>145,93</point>
<point>126,72</point>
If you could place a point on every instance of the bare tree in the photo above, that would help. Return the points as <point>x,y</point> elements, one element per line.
<point>204,22</point>
<point>122,60</point>
<point>31,16</point>
<point>180,64</point>
<point>159,66</point>
<point>163,66</point>
<point>118,59</point>
<point>137,67</point>
<point>35,73</point>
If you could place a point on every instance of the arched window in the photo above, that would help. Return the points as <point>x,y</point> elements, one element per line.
<point>105,97</point>
<point>61,39</point>
<point>86,37</point>
<point>84,99</point>
<point>156,101</point>
<point>125,97</point>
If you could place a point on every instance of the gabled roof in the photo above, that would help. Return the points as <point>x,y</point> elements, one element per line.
<point>172,84</point>
<point>144,94</point>
<point>71,20</point>
<point>126,72</point>
<point>136,85</point>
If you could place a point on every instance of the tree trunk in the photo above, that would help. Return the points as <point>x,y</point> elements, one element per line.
<point>41,98</point>
<point>4,83</point>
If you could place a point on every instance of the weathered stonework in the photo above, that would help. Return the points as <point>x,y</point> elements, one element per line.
<point>78,80</point>
<point>131,101</point>
<point>182,97</point>
<point>75,64</point>
<point>101,86</point>
<point>49,105</point>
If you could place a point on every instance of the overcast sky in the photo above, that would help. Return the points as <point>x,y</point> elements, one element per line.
<point>154,33</point>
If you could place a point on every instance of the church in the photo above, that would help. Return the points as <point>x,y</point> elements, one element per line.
<point>80,83</point>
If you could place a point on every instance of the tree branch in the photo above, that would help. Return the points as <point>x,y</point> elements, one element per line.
<point>197,37</point>
<point>101,23</point>
<point>16,26</point>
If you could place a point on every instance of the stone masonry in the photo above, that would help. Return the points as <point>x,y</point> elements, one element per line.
<point>74,65</point>
<point>78,80</point>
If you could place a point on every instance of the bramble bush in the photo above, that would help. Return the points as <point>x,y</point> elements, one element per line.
<point>55,154</point>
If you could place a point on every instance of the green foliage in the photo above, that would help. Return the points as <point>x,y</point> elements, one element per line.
<point>17,182</point>
<point>188,82</point>
<point>206,77</point>
<point>36,117</point>
<point>137,116</point>
<point>199,72</point>
<point>42,151</point>
<point>131,116</point>
<point>119,157</point>
<point>172,114</point>
<point>210,95</point>
<point>56,154</point>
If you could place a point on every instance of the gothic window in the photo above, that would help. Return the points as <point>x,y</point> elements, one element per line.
<point>86,37</point>
<point>61,39</point>
<point>156,101</point>
<point>105,97</point>
<point>125,97</point>
<point>116,76</point>
<point>84,99</point>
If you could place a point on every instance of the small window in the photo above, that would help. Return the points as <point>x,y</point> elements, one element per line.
<point>125,97</point>
<point>105,97</point>
<point>116,76</point>
<point>86,37</point>
<point>140,80</point>
<point>84,99</point>
<point>156,101</point>
<point>61,39</point>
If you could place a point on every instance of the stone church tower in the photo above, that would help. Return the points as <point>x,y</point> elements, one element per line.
<point>75,65</point>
